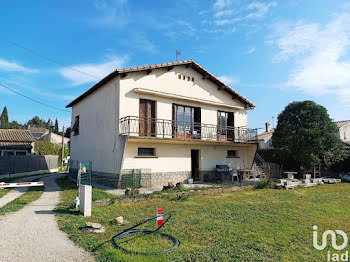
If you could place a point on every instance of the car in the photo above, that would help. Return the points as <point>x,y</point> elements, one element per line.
<point>346,178</point>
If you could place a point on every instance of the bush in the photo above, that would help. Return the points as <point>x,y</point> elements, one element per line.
<point>266,184</point>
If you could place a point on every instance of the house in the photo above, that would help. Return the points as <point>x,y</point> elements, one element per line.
<point>344,132</point>
<point>16,142</point>
<point>171,121</point>
<point>43,134</point>
<point>265,138</point>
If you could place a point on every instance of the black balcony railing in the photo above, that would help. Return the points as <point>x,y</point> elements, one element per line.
<point>161,128</point>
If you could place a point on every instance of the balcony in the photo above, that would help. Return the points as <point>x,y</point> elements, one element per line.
<point>134,126</point>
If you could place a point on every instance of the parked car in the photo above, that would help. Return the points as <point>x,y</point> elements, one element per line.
<point>346,178</point>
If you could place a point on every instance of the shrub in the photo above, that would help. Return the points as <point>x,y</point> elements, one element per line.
<point>263,184</point>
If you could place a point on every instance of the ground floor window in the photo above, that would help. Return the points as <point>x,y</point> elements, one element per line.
<point>146,151</point>
<point>232,153</point>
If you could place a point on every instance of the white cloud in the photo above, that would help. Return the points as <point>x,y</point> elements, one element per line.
<point>229,80</point>
<point>320,55</point>
<point>223,13</point>
<point>250,50</point>
<point>346,5</point>
<point>220,4</point>
<point>15,67</point>
<point>259,9</point>
<point>111,13</point>
<point>99,70</point>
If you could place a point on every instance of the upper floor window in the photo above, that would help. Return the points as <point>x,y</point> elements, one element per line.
<point>75,128</point>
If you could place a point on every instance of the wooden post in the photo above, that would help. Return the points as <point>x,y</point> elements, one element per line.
<point>62,151</point>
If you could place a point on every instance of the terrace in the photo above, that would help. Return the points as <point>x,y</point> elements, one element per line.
<point>134,126</point>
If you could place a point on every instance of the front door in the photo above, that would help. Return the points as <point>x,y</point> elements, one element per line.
<point>195,164</point>
<point>147,122</point>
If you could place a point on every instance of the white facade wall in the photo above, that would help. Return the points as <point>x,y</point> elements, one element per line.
<point>344,132</point>
<point>167,81</point>
<point>98,138</point>
<point>177,157</point>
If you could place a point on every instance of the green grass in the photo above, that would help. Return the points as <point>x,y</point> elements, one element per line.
<point>3,192</point>
<point>249,225</point>
<point>33,193</point>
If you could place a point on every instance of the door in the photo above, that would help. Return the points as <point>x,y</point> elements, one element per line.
<point>147,122</point>
<point>195,164</point>
<point>225,126</point>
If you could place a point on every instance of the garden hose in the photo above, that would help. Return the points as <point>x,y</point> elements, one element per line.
<point>130,232</point>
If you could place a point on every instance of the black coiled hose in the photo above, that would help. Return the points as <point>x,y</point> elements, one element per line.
<point>130,232</point>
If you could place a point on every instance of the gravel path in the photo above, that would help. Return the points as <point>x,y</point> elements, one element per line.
<point>32,234</point>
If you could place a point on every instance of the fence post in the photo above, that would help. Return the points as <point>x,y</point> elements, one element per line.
<point>163,128</point>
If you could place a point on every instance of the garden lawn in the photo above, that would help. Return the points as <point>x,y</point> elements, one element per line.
<point>250,225</point>
<point>3,191</point>
<point>33,193</point>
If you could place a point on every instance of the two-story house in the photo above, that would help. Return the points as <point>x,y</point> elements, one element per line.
<point>172,121</point>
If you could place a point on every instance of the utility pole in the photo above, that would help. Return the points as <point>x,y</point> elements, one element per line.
<point>62,151</point>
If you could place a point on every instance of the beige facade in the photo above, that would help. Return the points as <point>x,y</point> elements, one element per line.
<point>107,141</point>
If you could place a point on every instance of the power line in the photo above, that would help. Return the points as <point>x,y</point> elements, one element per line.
<point>37,101</point>
<point>47,58</point>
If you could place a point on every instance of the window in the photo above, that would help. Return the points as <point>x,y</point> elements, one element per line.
<point>75,128</point>
<point>232,153</point>
<point>186,121</point>
<point>146,151</point>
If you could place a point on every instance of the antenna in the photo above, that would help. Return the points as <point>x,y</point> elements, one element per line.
<point>178,53</point>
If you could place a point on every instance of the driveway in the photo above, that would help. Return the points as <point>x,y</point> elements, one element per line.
<point>32,234</point>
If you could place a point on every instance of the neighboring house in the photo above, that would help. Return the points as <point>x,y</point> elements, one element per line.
<point>16,142</point>
<point>344,132</point>
<point>43,134</point>
<point>265,138</point>
<point>172,121</point>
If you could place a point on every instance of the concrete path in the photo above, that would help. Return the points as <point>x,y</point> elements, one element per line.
<point>32,234</point>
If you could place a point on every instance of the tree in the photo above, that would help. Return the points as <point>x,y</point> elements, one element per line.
<point>16,125</point>
<point>56,127</point>
<point>306,136</point>
<point>4,119</point>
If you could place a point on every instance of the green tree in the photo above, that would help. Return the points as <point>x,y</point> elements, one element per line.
<point>56,127</point>
<point>4,119</point>
<point>16,125</point>
<point>306,136</point>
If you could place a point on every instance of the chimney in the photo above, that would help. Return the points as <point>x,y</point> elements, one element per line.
<point>267,126</point>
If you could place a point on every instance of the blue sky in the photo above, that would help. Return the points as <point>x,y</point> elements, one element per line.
<point>272,52</point>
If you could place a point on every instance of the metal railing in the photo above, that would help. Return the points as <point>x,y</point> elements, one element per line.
<point>162,128</point>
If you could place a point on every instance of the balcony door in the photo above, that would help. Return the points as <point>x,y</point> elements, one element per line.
<point>225,126</point>
<point>186,122</point>
<point>147,123</point>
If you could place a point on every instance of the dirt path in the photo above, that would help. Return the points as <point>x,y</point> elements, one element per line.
<point>32,234</point>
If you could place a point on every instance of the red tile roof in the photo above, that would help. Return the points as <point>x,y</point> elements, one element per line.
<point>340,124</point>
<point>15,138</point>
<point>168,65</point>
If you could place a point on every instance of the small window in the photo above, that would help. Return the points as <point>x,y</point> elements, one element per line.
<point>179,76</point>
<point>184,77</point>
<point>192,79</point>
<point>188,78</point>
<point>232,153</point>
<point>75,128</point>
<point>146,151</point>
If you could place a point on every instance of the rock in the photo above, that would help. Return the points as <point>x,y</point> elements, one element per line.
<point>119,220</point>
<point>128,191</point>
<point>94,230</point>
<point>135,191</point>
<point>93,225</point>
<point>171,185</point>
<point>178,185</point>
